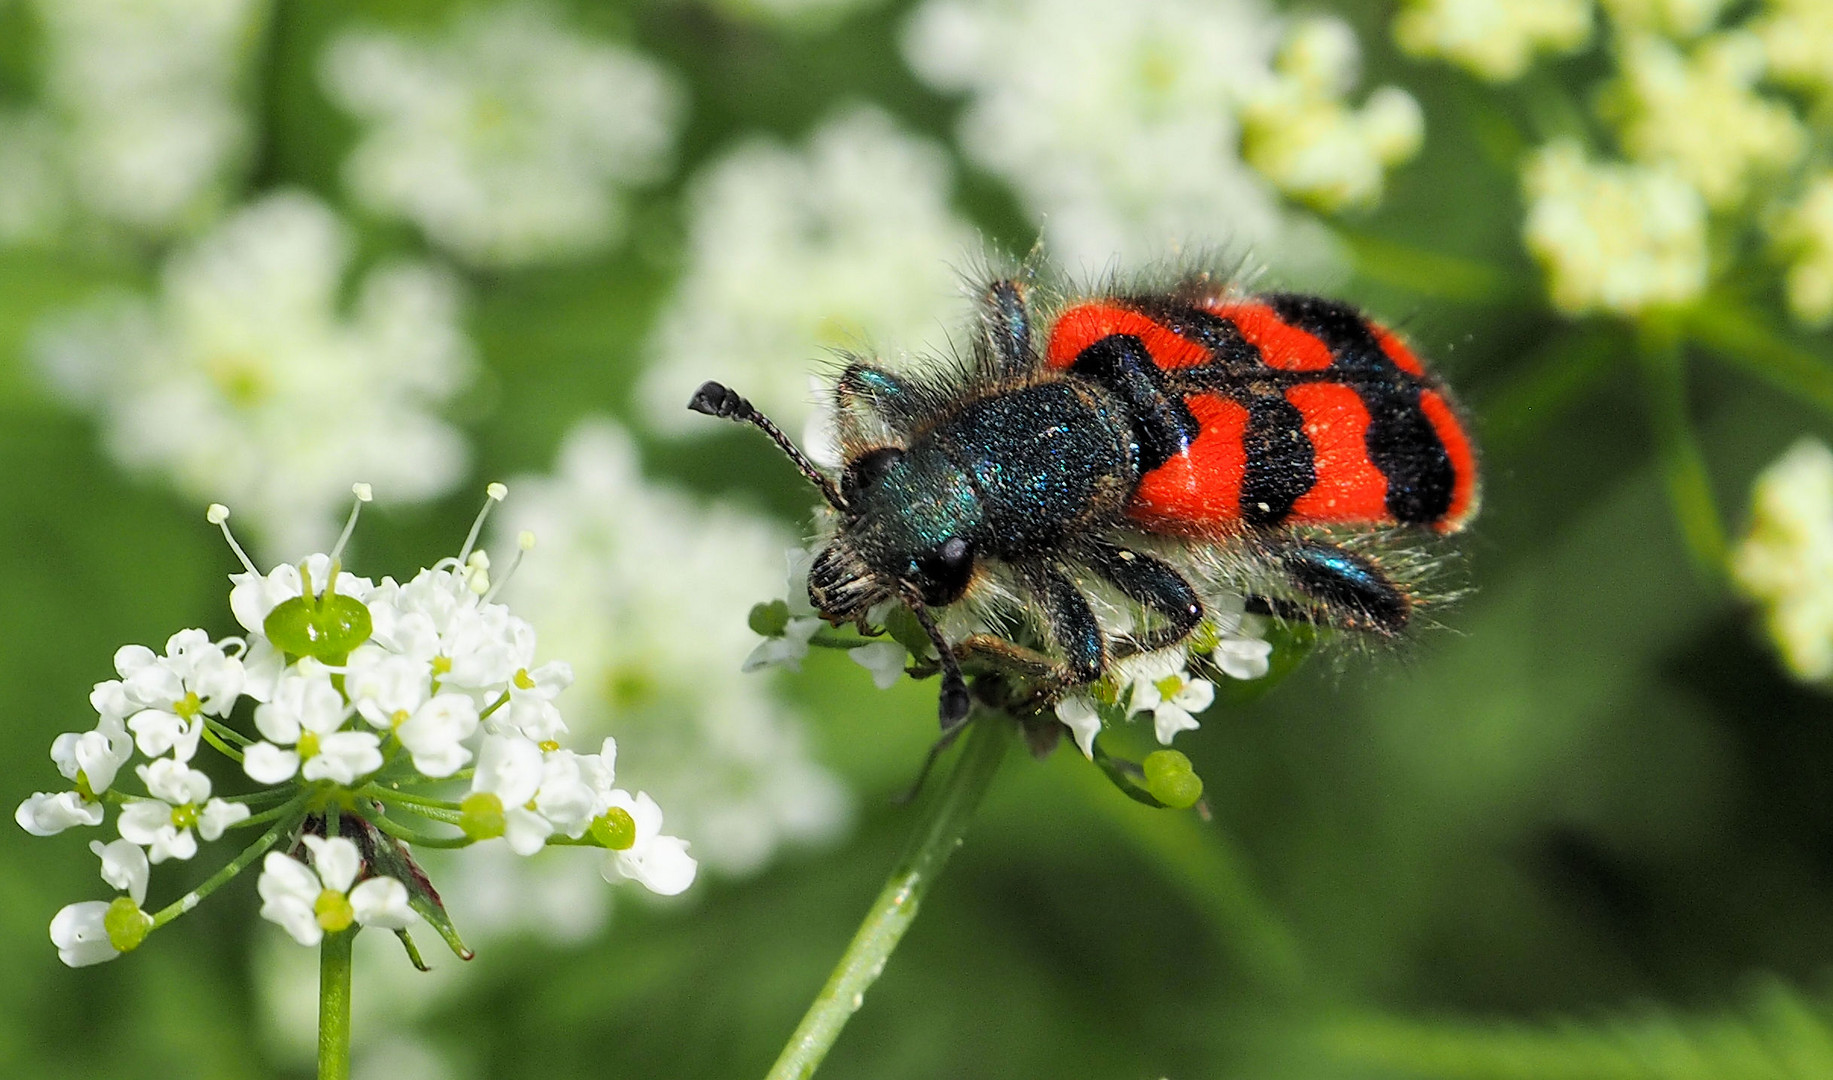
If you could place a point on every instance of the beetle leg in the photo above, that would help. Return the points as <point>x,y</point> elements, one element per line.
<point>1004,346</point>
<point>1162,424</point>
<point>1071,624</point>
<point>1340,589</point>
<point>1152,583</point>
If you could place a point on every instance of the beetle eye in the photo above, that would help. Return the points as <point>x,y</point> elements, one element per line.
<point>868,469</point>
<point>942,575</point>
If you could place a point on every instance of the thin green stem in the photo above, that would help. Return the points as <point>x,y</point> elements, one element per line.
<point>1748,342</point>
<point>287,820</point>
<point>230,752</point>
<point>938,833</point>
<point>494,706</point>
<point>226,732</point>
<point>334,1005</point>
<point>1683,464</point>
<point>405,798</point>
<point>402,832</point>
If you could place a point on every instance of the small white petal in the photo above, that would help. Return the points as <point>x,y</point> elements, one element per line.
<point>336,860</point>
<point>140,821</point>
<point>884,659</point>
<point>508,767</point>
<point>124,866</point>
<point>1243,658</point>
<point>266,763</point>
<point>345,756</point>
<point>525,830</point>
<point>663,867</point>
<point>382,901</point>
<point>1079,715</point>
<point>289,889</point>
<point>174,781</point>
<point>219,815</point>
<point>78,932</point>
<point>1168,720</point>
<point>48,813</point>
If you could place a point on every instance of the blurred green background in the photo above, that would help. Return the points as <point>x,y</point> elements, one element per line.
<point>1583,829</point>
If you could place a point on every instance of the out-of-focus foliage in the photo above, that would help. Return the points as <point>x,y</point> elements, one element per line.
<point>1559,834</point>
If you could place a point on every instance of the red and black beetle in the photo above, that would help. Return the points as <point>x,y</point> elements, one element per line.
<point>1262,428</point>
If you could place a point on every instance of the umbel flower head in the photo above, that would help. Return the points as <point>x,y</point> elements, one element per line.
<point>356,710</point>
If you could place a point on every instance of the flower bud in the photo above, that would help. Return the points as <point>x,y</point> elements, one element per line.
<point>615,829</point>
<point>481,816</point>
<point>126,925</point>
<point>1171,780</point>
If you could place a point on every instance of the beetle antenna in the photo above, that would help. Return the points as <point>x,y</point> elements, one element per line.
<point>954,704</point>
<point>714,399</point>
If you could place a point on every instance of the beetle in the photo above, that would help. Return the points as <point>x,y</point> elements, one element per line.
<point>1270,432</point>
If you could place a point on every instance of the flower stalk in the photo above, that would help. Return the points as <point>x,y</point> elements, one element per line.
<point>938,834</point>
<point>334,963</point>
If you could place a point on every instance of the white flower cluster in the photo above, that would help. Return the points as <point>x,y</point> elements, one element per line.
<point>1706,146</point>
<point>795,252</point>
<point>1118,124</point>
<point>1701,115</point>
<point>625,564</point>
<point>246,377</point>
<point>1613,237</point>
<point>507,139</point>
<point>357,687</point>
<point>1785,561</point>
<point>143,100</point>
<point>1160,683</point>
<point>1797,38</point>
<point>1229,641</point>
<point>1805,232</point>
<point>1494,39</point>
<point>1298,131</point>
<point>799,14</point>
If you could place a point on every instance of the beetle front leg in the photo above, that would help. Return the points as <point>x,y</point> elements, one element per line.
<point>1152,583</point>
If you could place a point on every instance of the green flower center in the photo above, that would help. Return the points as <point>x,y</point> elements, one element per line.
<point>334,911</point>
<point>126,925</point>
<point>184,817</point>
<point>480,815</point>
<point>325,627</point>
<point>615,829</point>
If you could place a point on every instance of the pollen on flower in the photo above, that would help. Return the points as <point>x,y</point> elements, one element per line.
<point>363,492</point>
<point>216,514</point>
<point>497,492</point>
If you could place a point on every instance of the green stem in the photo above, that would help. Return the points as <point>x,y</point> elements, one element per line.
<point>403,833</point>
<point>225,731</point>
<point>405,798</point>
<point>944,823</point>
<point>235,866</point>
<point>1747,342</point>
<point>334,1005</point>
<point>223,748</point>
<point>1684,465</point>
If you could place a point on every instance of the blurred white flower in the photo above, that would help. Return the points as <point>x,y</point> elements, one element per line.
<point>247,380</point>
<point>507,138</point>
<point>1805,234</point>
<point>795,253</point>
<point>1493,39</point>
<point>1785,561</point>
<point>1116,123</point>
<point>1699,113</point>
<point>646,593</point>
<point>1797,38</point>
<point>145,98</point>
<point>1677,18</point>
<point>884,659</point>
<point>310,901</point>
<point>1299,133</point>
<point>1613,237</point>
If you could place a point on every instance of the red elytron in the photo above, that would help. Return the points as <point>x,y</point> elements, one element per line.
<point>1305,412</point>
